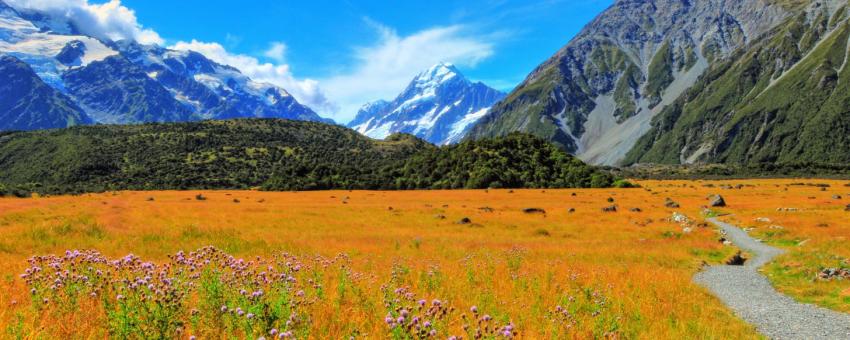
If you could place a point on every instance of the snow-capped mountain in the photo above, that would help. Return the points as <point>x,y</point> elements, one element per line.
<point>439,105</point>
<point>126,82</point>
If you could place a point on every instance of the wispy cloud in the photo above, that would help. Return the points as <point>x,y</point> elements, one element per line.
<point>276,52</point>
<point>306,91</point>
<point>382,70</point>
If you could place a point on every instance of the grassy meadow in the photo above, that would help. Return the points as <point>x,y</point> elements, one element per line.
<point>411,264</point>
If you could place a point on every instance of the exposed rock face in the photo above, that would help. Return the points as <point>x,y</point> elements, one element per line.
<point>621,85</point>
<point>72,53</point>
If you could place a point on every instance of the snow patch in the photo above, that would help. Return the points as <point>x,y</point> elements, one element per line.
<point>460,127</point>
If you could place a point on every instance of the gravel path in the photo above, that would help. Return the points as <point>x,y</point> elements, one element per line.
<point>752,298</point>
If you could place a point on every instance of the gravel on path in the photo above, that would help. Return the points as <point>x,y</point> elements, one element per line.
<point>751,296</point>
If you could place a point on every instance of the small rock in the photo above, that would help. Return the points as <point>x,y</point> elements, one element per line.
<point>847,208</point>
<point>670,203</point>
<point>763,220</point>
<point>836,197</point>
<point>486,209</point>
<point>612,208</point>
<point>834,273</point>
<point>717,201</point>
<point>534,211</point>
<point>636,210</point>
<point>610,199</point>
<point>440,217</point>
<point>464,220</point>
<point>571,210</point>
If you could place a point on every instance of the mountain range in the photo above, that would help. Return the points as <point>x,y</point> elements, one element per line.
<point>681,82</point>
<point>439,105</point>
<point>647,81</point>
<point>67,79</point>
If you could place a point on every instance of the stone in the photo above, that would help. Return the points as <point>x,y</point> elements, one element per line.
<point>717,201</point>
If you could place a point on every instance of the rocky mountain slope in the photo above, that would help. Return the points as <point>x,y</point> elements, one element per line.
<point>125,82</point>
<point>440,105</point>
<point>644,82</point>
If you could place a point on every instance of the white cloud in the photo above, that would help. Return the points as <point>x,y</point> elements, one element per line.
<point>306,91</point>
<point>110,20</point>
<point>276,52</point>
<point>383,70</point>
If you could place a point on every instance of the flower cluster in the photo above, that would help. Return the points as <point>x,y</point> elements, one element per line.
<point>207,287</point>
<point>409,317</point>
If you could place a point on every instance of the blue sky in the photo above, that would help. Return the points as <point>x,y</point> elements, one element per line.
<point>336,55</point>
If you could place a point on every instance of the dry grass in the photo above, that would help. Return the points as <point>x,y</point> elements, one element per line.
<point>621,275</point>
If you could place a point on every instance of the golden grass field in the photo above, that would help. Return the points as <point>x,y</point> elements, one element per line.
<point>558,275</point>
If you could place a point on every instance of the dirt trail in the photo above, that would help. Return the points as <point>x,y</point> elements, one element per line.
<point>750,295</point>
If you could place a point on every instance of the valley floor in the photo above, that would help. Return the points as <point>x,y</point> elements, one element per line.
<point>562,269</point>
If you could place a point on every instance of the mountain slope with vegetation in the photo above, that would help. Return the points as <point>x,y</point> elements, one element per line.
<point>783,100</point>
<point>275,155</point>
<point>683,82</point>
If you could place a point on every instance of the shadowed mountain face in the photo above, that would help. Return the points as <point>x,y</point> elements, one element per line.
<point>27,103</point>
<point>125,82</point>
<point>616,93</point>
<point>439,105</point>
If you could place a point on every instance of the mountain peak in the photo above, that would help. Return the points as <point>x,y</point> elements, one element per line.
<point>438,74</point>
<point>439,105</point>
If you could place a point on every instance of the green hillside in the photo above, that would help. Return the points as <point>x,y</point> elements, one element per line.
<point>273,155</point>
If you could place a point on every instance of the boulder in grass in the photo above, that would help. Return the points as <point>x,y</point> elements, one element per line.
<point>670,203</point>
<point>847,208</point>
<point>717,201</point>
<point>534,211</point>
<point>736,260</point>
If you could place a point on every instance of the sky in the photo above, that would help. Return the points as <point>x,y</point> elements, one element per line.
<point>335,56</point>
